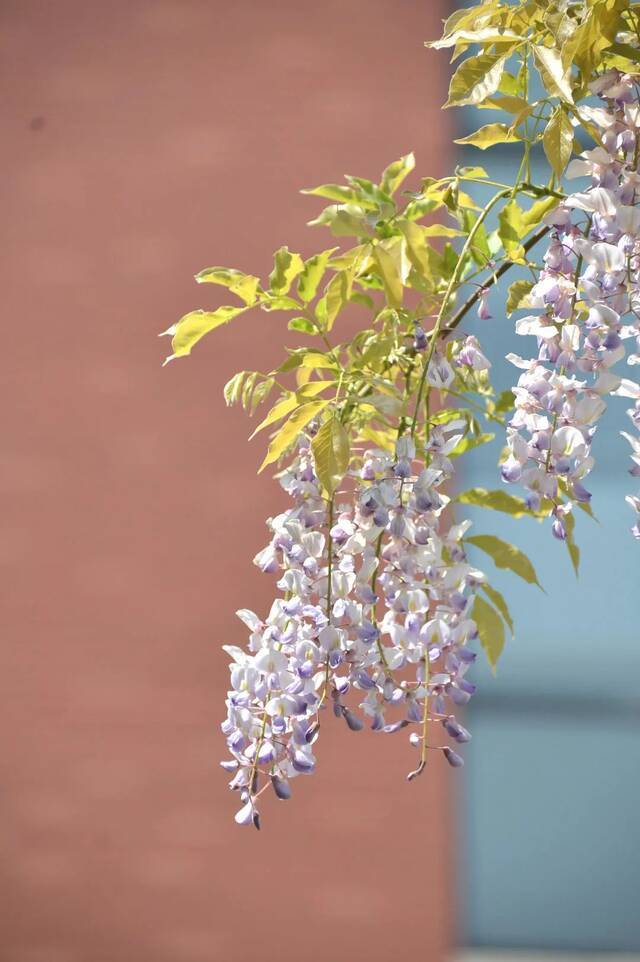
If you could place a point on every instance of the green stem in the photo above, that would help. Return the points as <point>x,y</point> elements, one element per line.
<point>504,267</point>
<point>455,277</point>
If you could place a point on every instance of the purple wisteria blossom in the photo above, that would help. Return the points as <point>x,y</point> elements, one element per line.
<point>589,283</point>
<point>374,618</point>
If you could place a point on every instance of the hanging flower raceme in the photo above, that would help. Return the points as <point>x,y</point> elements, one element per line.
<point>374,620</point>
<point>589,282</point>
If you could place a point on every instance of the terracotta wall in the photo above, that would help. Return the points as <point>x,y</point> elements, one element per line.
<point>143,141</point>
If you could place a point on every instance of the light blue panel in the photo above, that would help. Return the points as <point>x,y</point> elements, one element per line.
<point>552,831</point>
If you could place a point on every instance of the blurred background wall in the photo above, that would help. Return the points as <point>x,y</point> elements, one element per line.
<point>143,141</point>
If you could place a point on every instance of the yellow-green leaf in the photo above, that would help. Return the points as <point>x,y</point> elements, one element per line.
<point>497,500</point>
<point>485,36</point>
<point>512,105</point>
<point>344,195</point>
<point>498,600</point>
<point>476,78</point>
<point>490,629</point>
<point>557,141</point>
<point>506,555</point>
<point>489,135</point>
<point>337,294</point>
<point>287,404</point>
<point>470,442</point>
<point>395,173</point>
<point>572,547</point>
<point>312,273</point>
<point>439,230</point>
<point>186,332</point>
<point>518,293</point>
<point>537,211</point>
<point>330,449</point>
<point>422,256</point>
<point>343,220</point>
<point>556,78</point>
<point>291,429</point>
<point>511,226</point>
<point>286,267</point>
<point>388,270</point>
<point>244,285</point>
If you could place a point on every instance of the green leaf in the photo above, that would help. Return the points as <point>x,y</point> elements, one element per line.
<point>512,105</point>
<point>485,36</point>
<point>291,429</point>
<point>233,388</point>
<point>186,332</point>
<point>537,211</point>
<point>518,293</point>
<point>572,547</point>
<point>280,303</point>
<point>286,268</point>
<point>471,441</point>
<point>496,500</point>
<point>330,449</point>
<point>395,173</point>
<point>422,256</point>
<point>506,555</point>
<point>557,141</point>
<point>337,293</point>
<point>466,173</point>
<point>479,250</point>
<point>439,230</point>
<point>490,629</point>
<point>312,273</point>
<point>476,78</point>
<point>346,220</point>
<point>344,195</point>
<point>244,285</point>
<point>293,400</point>
<point>498,600</point>
<point>303,325</point>
<point>489,135</point>
<point>388,269</point>
<point>511,226</point>
<point>556,78</point>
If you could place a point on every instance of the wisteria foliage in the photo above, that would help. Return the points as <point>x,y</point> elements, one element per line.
<point>379,611</point>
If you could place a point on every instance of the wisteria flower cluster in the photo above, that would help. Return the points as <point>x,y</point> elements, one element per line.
<point>381,610</point>
<point>589,284</point>
<point>376,603</point>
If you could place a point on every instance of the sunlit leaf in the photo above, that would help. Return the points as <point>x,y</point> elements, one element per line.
<point>556,78</point>
<point>558,141</point>
<point>489,135</point>
<point>293,400</point>
<point>244,285</point>
<point>395,173</point>
<point>387,267</point>
<point>337,294</point>
<point>490,629</point>
<point>518,293</point>
<point>506,555</point>
<point>572,547</point>
<point>330,449</point>
<point>496,500</point>
<point>287,266</point>
<point>485,36</point>
<point>312,273</point>
<point>512,227</point>
<point>186,332</point>
<point>499,602</point>
<point>291,429</point>
<point>476,78</point>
